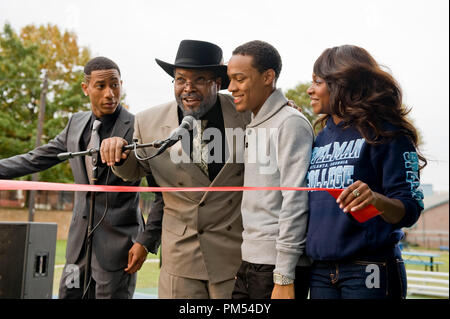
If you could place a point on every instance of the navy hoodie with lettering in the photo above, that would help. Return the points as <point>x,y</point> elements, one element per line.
<point>341,157</point>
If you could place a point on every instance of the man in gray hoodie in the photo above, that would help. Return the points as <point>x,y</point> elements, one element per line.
<point>277,154</point>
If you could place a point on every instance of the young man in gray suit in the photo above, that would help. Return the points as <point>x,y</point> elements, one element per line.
<point>115,258</point>
<point>201,231</point>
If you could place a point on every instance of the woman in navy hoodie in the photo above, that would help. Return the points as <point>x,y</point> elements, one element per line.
<point>367,147</point>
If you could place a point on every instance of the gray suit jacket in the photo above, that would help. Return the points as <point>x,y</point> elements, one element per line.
<point>123,220</point>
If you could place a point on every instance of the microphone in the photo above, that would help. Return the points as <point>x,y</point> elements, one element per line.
<point>186,124</point>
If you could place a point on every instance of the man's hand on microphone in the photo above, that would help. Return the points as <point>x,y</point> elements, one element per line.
<point>111,150</point>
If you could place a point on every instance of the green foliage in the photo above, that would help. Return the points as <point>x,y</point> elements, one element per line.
<point>146,196</point>
<point>24,60</point>
<point>19,87</point>
<point>301,99</point>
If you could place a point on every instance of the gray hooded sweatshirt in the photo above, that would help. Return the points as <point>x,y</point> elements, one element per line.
<point>278,148</point>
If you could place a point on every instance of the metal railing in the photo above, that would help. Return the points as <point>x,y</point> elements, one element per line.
<point>428,283</point>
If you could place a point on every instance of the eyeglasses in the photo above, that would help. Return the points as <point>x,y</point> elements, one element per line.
<point>198,82</point>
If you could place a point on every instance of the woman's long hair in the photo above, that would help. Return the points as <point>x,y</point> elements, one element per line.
<point>364,96</point>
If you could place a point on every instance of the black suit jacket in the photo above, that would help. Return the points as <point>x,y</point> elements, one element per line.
<point>123,220</point>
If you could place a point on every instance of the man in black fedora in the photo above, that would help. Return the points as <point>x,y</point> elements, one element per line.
<point>201,231</point>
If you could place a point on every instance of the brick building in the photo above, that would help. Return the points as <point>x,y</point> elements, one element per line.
<point>432,228</point>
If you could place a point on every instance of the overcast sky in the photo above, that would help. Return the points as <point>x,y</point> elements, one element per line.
<point>410,37</point>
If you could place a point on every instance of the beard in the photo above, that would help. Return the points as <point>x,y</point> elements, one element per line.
<point>206,104</point>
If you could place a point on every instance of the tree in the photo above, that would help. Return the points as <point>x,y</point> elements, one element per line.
<point>24,60</point>
<point>301,99</point>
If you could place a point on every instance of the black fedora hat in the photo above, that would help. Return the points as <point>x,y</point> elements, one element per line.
<point>193,54</point>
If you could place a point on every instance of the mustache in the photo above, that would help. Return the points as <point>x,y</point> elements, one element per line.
<point>192,95</point>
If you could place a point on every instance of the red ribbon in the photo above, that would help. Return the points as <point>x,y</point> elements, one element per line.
<point>360,215</point>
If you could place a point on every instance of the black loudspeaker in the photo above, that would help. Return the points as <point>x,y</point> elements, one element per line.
<point>27,259</point>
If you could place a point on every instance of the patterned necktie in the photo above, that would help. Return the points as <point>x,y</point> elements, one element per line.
<point>93,143</point>
<point>200,148</point>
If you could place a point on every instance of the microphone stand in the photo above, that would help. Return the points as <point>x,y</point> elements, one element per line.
<point>94,153</point>
<point>88,244</point>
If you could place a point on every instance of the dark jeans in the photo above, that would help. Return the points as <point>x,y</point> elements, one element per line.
<point>255,281</point>
<point>358,279</point>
